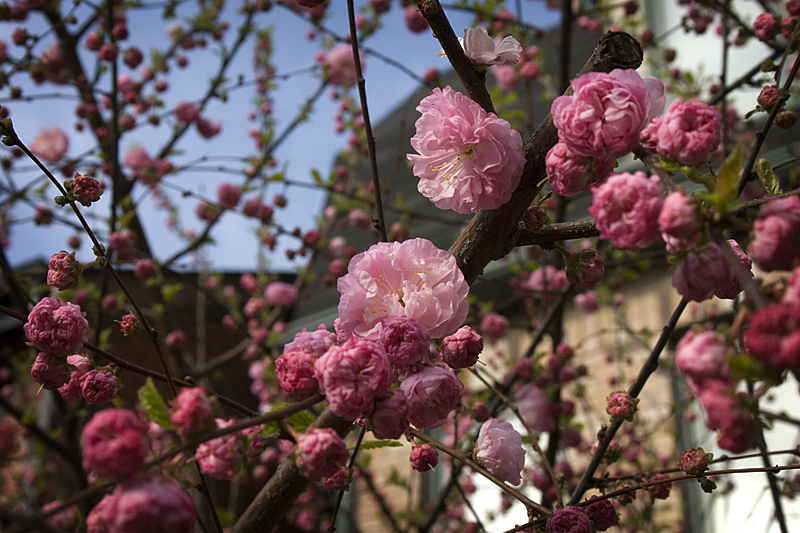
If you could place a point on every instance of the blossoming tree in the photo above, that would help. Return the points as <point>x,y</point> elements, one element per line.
<point>403,356</point>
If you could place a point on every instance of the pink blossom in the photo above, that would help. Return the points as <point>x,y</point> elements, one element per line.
<point>679,217</point>
<point>98,386</point>
<point>621,406</point>
<point>389,419</point>
<point>570,173</point>
<point>499,450</point>
<point>191,411</point>
<point>480,48</point>
<point>228,196</point>
<point>774,336</point>
<point>506,76</point>
<point>113,443</point>
<point>154,505</point>
<point>584,268</point>
<point>586,302</point>
<point>607,112</point>
<point>775,243</point>
<point>766,26</point>
<point>351,375</point>
<point>280,294</point>
<point>412,279</point>
<point>71,391</point>
<point>687,132</point>
<point>63,270</point>
<point>545,282</point>
<point>206,128</point>
<point>534,404</point>
<point>414,19</point>
<point>695,461</point>
<point>50,144</point>
<point>462,348</point>
<point>358,218</point>
<point>626,208</point>
<point>145,269</point>
<point>144,167</point>
<point>321,452</point>
<point>317,342</point>
<point>130,324</point>
<point>340,66</point>
<point>792,294</point>
<point>185,112</point>
<point>56,327</point>
<point>768,97</point>
<point>295,371</point>
<point>432,393</point>
<point>494,326</point>
<point>468,159</point>
<point>424,457</point>
<point>535,217</point>
<point>221,457</point>
<point>569,520</point>
<point>49,371</point>
<point>703,273</point>
<point>729,290</point>
<point>703,356</point>
<point>84,189</point>
<point>405,340</point>
<point>727,412</point>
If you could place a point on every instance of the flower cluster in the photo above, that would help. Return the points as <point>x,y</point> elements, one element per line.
<point>467,159</point>
<point>688,132</point>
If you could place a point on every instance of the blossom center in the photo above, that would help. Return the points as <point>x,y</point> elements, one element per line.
<point>451,167</point>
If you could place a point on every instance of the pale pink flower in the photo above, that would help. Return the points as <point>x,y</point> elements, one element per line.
<point>154,505</point>
<point>499,450</point>
<point>340,66</point>
<point>480,48</point>
<point>545,282</point>
<point>414,19</point>
<point>607,112</point>
<point>321,452</point>
<point>113,443</point>
<point>727,412</point>
<point>413,279</point>
<point>295,371</point>
<point>506,76</point>
<point>687,132</point>
<point>424,457</point>
<point>570,173</point>
<point>221,457</point>
<point>56,327</point>
<point>586,302</point>
<point>389,419</point>
<point>191,411</point>
<point>534,405</point>
<point>462,348</point>
<point>317,342</point>
<point>185,112</point>
<point>494,326</point>
<point>432,393</point>
<point>351,375</point>
<point>358,218</point>
<point>49,371</point>
<point>468,159</point>
<point>63,270</point>
<point>405,340</point>
<point>680,216</point>
<point>626,208</point>
<point>144,167</point>
<point>280,294</point>
<point>50,144</point>
<point>703,356</point>
<point>98,386</point>
<point>71,391</point>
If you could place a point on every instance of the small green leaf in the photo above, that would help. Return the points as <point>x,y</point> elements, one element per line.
<point>767,176</point>
<point>729,175</point>
<point>154,405</point>
<point>300,421</point>
<point>375,444</point>
<point>168,292</point>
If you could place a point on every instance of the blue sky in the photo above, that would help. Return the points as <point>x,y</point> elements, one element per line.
<point>312,146</point>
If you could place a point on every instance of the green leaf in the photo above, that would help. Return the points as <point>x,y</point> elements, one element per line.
<point>767,176</point>
<point>300,421</point>
<point>168,292</point>
<point>154,405</point>
<point>317,177</point>
<point>375,444</point>
<point>729,175</point>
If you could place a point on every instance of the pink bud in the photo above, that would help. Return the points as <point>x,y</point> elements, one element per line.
<point>424,457</point>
